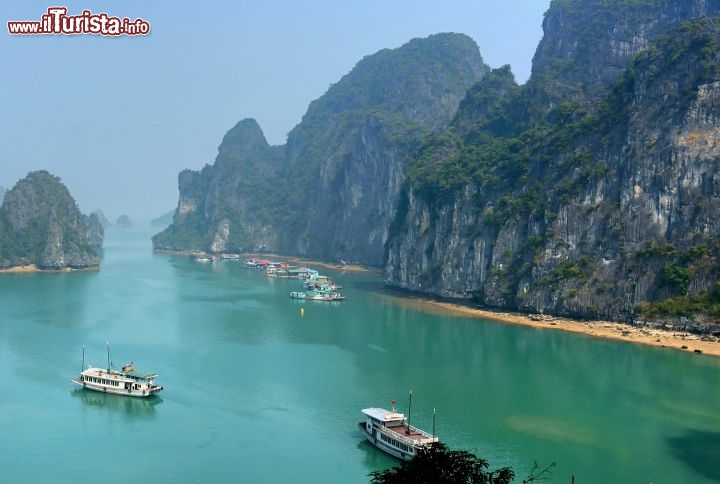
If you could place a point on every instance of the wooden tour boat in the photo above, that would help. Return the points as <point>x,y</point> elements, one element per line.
<point>129,381</point>
<point>391,432</point>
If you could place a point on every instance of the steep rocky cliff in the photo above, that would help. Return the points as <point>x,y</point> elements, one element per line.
<point>40,224</point>
<point>231,205</point>
<point>106,224</point>
<point>95,230</point>
<point>331,191</point>
<point>591,191</point>
<point>587,44</point>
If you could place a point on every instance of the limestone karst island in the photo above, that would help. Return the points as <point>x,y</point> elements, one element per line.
<point>41,228</point>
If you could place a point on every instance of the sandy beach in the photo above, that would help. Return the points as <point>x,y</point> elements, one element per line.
<point>334,267</point>
<point>32,268</point>
<point>20,269</point>
<point>299,262</point>
<point>599,329</point>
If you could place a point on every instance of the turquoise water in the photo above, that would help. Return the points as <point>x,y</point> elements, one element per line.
<point>257,392</point>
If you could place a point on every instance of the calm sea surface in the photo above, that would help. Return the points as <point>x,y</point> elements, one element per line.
<point>256,392</point>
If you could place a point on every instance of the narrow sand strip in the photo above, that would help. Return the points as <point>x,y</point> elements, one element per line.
<point>599,329</point>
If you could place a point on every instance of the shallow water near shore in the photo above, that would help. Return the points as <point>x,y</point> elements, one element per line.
<point>255,391</point>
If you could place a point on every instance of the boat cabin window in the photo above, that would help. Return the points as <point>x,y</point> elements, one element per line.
<point>395,443</point>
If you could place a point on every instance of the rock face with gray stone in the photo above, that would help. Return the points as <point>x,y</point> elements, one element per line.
<point>41,224</point>
<point>330,192</point>
<point>106,224</point>
<point>95,230</point>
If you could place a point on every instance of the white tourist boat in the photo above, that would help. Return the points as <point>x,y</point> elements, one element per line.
<point>128,381</point>
<point>391,431</point>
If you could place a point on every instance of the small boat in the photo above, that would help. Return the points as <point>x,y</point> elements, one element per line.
<point>130,381</point>
<point>317,282</point>
<point>205,258</point>
<point>325,296</point>
<point>313,286</point>
<point>391,432</point>
<point>317,296</point>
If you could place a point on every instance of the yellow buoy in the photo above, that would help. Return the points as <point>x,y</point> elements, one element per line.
<point>302,311</point>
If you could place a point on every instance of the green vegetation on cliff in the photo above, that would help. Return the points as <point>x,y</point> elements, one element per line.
<point>41,224</point>
<point>10,248</point>
<point>678,269</point>
<point>490,142</point>
<point>242,188</point>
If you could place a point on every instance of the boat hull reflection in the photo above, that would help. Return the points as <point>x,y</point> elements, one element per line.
<point>132,407</point>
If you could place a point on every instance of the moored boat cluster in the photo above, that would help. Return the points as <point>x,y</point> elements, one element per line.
<point>315,286</point>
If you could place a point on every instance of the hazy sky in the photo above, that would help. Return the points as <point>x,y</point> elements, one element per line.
<point>118,117</point>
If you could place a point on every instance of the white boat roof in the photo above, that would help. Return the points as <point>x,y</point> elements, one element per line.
<point>141,375</point>
<point>383,415</point>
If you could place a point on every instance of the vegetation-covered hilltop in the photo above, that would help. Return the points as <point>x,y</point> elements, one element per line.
<point>41,225</point>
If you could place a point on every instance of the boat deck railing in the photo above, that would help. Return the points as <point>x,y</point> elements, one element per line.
<point>411,435</point>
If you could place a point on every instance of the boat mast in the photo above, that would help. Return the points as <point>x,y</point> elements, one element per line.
<point>107,343</point>
<point>83,360</point>
<point>433,434</point>
<point>409,408</point>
